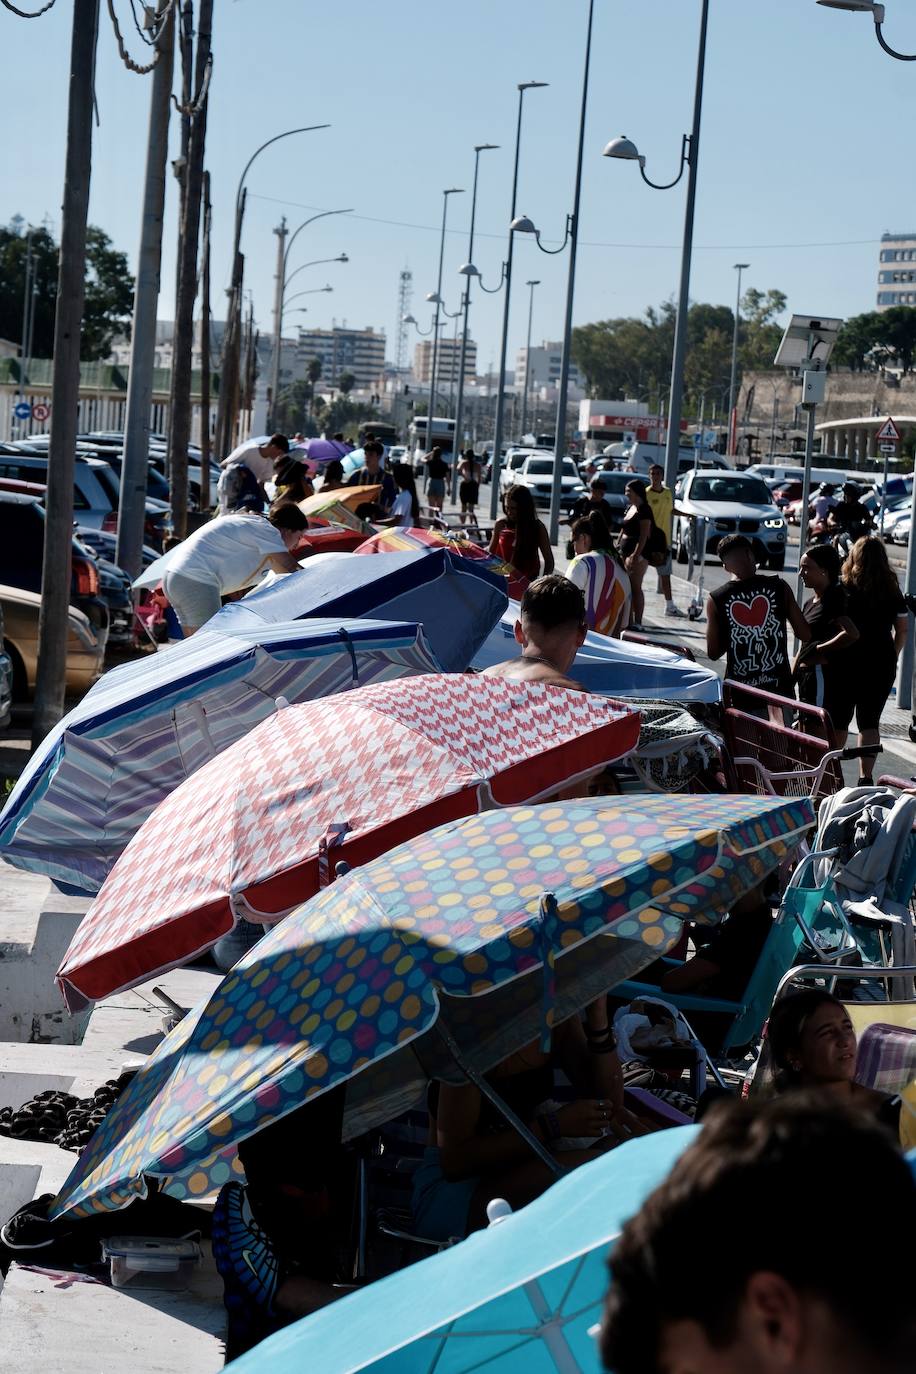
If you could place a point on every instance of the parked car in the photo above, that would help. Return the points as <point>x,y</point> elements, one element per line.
<point>85,648</point>
<point>96,491</point>
<point>731,503</point>
<point>615,484</point>
<point>6,680</point>
<point>513,461</point>
<point>786,492</point>
<point>157,487</point>
<point>536,473</point>
<point>22,542</point>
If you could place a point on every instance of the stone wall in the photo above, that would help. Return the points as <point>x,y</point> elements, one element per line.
<point>849,395</point>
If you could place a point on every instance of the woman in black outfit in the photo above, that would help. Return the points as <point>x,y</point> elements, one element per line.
<point>822,668</point>
<point>878,611</point>
<point>635,533</point>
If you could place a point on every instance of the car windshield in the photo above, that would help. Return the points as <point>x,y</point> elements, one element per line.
<point>615,483</point>
<point>749,491</point>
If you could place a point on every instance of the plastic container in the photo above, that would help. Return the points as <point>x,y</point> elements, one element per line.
<point>150,1261</point>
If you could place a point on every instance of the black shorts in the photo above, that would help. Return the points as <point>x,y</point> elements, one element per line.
<point>468,492</point>
<point>832,692</point>
<point>871,692</point>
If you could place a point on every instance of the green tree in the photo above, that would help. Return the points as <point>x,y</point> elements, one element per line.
<point>856,341</point>
<point>345,383</point>
<point>896,334</point>
<point>109,291</point>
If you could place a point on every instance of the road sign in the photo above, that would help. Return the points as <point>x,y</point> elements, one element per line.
<point>40,411</point>
<point>22,410</point>
<point>889,431</point>
<point>888,448</point>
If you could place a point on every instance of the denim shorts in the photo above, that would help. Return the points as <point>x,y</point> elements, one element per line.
<point>440,1205</point>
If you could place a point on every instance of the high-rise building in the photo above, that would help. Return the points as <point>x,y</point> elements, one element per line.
<point>360,351</point>
<point>448,363</point>
<point>545,362</point>
<point>897,270</point>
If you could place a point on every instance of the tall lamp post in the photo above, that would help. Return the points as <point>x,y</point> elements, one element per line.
<point>905,667</point>
<point>531,285</point>
<point>690,156</point>
<point>232,339</point>
<point>435,298</point>
<point>732,444</point>
<point>504,341</point>
<point>468,270</point>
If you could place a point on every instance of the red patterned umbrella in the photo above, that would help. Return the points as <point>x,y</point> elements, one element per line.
<point>249,834</point>
<point>398,539</point>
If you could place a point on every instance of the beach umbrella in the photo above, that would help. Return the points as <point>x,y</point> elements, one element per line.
<point>520,1297</point>
<point>323,450</point>
<point>257,830</point>
<point>456,600</point>
<point>397,540</point>
<point>331,539</point>
<point>446,946</point>
<point>323,503</point>
<point>614,667</point>
<point>147,726</point>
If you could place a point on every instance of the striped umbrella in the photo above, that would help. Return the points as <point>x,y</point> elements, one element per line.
<point>147,726</point>
<point>396,540</point>
<point>450,928</point>
<point>248,835</point>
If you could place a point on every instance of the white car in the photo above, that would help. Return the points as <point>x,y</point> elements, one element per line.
<point>536,473</point>
<point>730,503</point>
<point>512,462</point>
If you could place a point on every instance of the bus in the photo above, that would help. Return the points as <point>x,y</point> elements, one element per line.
<point>442,435</point>
<point>386,433</point>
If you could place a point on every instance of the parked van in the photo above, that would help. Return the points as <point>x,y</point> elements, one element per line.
<point>639,457</point>
<point>773,473</point>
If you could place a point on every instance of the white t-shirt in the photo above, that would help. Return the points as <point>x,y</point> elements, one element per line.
<point>228,551</point>
<point>402,510</point>
<point>250,456</point>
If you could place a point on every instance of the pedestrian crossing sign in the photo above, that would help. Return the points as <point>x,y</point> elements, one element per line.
<point>889,432</point>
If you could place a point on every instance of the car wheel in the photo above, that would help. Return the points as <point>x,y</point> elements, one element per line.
<point>681,545</point>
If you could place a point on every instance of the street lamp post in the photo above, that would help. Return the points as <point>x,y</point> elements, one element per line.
<point>531,285</point>
<point>435,298</point>
<point>732,418</point>
<point>690,156</point>
<point>468,271</point>
<point>905,669</point>
<point>231,339</point>
<point>504,341</point>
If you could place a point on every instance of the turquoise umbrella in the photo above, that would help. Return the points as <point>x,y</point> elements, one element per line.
<point>445,953</point>
<point>522,1296</point>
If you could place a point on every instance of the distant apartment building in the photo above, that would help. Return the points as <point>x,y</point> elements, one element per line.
<point>360,351</point>
<point>897,270</point>
<point>448,364</point>
<point>540,367</point>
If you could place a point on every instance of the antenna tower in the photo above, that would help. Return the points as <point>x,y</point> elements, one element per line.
<point>405,295</point>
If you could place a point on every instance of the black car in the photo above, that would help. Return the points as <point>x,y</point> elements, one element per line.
<point>22,543</point>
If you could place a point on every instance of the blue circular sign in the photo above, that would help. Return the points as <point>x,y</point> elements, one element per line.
<point>23,410</point>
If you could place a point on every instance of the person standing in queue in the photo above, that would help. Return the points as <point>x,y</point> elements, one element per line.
<point>469,489</point>
<point>521,540</point>
<point>661,504</point>
<point>373,474</point>
<point>878,611</point>
<point>823,665</point>
<point>746,620</point>
<point>436,474</point>
<point>638,529</point>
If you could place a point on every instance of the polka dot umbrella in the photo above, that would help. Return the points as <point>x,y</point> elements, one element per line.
<point>451,928</point>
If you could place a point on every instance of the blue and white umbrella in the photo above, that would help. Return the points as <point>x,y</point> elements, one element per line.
<point>146,726</point>
<point>455,599</point>
<point>522,1297</point>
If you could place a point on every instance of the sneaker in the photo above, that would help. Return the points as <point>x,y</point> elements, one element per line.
<point>671,609</point>
<point>249,1269</point>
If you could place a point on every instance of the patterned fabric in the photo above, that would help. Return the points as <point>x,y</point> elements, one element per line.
<point>243,835</point>
<point>886,1058</point>
<point>340,504</point>
<point>396,540</point>
<point>351,985</point>
<point>147,726</point>
<point>606,588</point>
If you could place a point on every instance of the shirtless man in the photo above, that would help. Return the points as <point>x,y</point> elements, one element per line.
<point>551,631</point>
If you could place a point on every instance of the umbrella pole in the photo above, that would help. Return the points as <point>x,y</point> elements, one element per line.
<point>482,1086</point>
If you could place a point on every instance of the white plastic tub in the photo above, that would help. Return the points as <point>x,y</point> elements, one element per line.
<point>150,1261</point>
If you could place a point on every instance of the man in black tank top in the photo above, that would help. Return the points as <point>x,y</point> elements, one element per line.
<point>746,620</point>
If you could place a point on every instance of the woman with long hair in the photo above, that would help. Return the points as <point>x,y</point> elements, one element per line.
<point>520,539</point>
<point>405,512</point>
<point>813,1045</point>
<point>878,611</point>
<point>604,582</point>
<point>635,533</point>
<point>822,668</point>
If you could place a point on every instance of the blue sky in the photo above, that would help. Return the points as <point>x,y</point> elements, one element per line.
<point>805,155</point>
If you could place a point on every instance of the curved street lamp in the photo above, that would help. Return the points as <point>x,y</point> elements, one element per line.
<point>341,257</point>
<point>625,149</point>
<point>905,669</point>
<point>435,298</point>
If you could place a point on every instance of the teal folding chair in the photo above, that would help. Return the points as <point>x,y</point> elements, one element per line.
<point>807,915</point>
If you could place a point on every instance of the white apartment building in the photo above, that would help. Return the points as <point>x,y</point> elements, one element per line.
<point>448,363</point>
<point>540,367</point>
<point>897,270</point>
<point>360,351</point>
